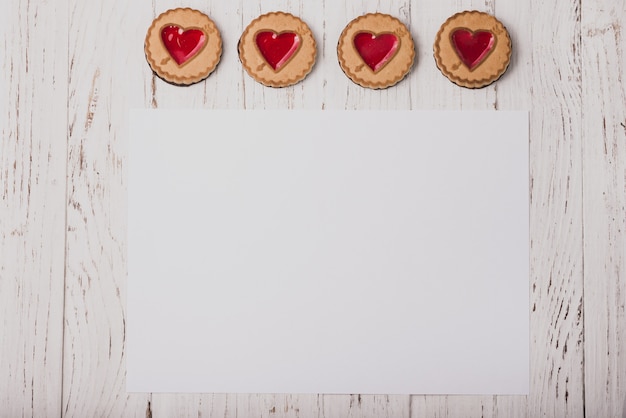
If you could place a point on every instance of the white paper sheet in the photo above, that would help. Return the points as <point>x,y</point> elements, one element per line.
<point>328,252</point>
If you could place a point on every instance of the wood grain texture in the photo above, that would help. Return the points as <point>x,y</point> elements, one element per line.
<point>104,82</point>
<point>71,70</point>
<point>469,406</point>
<point>32,208</point>
<point>604,158</point>
<point>514,92</point>
<point>556,213</point>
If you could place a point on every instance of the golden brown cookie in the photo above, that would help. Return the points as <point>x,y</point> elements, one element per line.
<point>376,50</point>
<point>472,49</point>
<point>277,49</point>
<point>183,46</point>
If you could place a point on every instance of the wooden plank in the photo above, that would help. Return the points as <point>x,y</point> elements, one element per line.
<point>105,47</point>
<point>363,406</point>
<point>557,387</point>
<point>513,92</point>
<point>32,206</point>
<point>604,158</point>
<point>469,406</point>
<point>431,90</point>
<point>341,93</point>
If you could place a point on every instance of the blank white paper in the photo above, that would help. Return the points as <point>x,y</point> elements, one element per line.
<point>371,252</point>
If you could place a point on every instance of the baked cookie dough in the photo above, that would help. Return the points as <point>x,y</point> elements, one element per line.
<point>277,49</point>
<point>472,49</point>
<point>376,51</point>
<point>183,46</point>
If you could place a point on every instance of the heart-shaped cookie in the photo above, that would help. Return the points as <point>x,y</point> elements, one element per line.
<point>376,50</point>
<point>183,46</point>
<point>277,48</point>
<point>472,49</point>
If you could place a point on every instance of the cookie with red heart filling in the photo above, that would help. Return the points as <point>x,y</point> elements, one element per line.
<point>472,49</point>
<point>277,49</point>
<point>376,50</point>
<point>183,46</point>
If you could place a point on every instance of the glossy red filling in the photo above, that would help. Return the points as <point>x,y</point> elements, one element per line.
<point>472,47</point>
<point>376,50</point>
<point>182,44</point>
<point>277,48</point>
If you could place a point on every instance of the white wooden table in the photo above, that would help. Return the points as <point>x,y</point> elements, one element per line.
<point>71,70</point>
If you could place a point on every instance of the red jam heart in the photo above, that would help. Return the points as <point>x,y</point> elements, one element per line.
<point>472,47</point>
<point>277,48</point>
<point>376,50</point>
<point>182,44</point>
